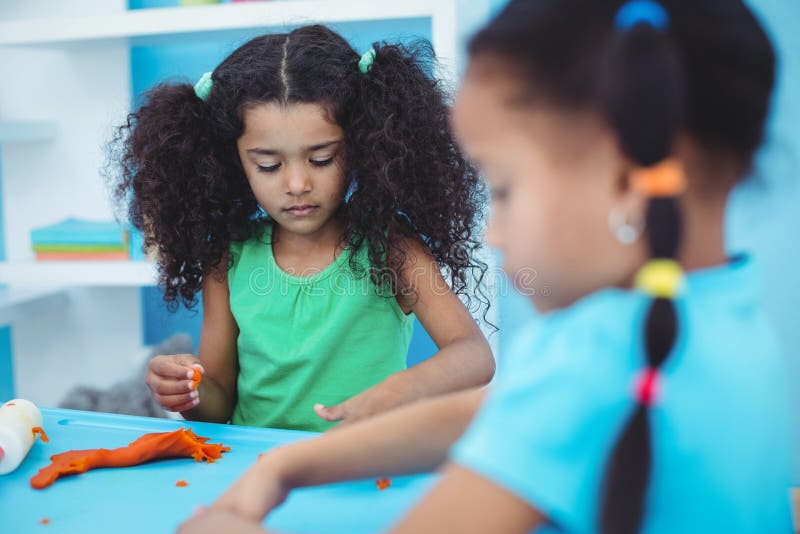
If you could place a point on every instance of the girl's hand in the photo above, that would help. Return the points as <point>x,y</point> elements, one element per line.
<point>256,493</point>
<point>389,394</point>
<point>170,381</point>
<point>214,521</point>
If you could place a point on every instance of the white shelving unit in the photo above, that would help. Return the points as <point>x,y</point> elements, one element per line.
<point>26,131</point>
<point>79,273</point>
<point>72,35</point>
<point>43,284</point>
<point>18,304</point>
<point>156,26</point>
<point>79,322</point>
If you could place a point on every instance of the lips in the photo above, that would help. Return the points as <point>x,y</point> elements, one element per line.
<point>302,210</point>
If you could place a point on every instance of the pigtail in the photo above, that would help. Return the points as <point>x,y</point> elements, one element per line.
<point>408,176</point>
<point>173,184</point>
<point>645,98</point>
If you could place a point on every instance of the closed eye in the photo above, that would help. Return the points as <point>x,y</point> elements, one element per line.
<point>321,162</point>
<point>269,168</point>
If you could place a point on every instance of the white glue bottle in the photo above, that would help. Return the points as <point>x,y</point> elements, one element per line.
<point>18,419</point>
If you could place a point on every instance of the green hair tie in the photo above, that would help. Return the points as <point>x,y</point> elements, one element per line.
<point>365,63</point>
<point>203,86</point>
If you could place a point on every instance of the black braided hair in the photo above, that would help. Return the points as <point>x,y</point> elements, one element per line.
<point>709,74</point>
<point>183,185</point>
<point>645,95</point>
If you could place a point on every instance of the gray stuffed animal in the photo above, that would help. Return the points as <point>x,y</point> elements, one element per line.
<point>130,396</point>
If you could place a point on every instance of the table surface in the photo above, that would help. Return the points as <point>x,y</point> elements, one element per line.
<point>144,498</point>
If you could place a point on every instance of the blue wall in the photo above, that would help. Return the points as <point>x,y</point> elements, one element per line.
<point>186,62</point>
<point>6,362</point>
<point>6,365</point>
<point>764,213</point>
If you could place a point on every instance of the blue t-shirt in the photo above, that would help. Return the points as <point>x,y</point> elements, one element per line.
<point>719,425</point>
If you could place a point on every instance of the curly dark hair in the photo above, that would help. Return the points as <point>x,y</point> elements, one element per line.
<point>184,187</point>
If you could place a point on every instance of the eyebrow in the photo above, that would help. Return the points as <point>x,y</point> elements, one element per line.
<point>312,148</point>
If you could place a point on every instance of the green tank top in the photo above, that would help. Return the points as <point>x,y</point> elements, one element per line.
<point>308,339</point>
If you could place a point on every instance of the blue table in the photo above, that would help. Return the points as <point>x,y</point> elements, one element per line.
<point>144,499</point>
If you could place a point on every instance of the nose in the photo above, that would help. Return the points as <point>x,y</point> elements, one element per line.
<point>298,181</point>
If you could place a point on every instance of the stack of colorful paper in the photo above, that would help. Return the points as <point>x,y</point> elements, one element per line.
<point>75,239</point>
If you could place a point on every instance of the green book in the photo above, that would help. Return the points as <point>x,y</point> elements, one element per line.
<point>79,248</point>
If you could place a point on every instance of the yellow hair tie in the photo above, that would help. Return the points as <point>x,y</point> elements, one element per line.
<point>660,278</point>
<point>666,179</point>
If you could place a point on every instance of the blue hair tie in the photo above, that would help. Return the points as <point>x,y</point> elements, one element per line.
<point>351,190</point>
<point>641,11</point>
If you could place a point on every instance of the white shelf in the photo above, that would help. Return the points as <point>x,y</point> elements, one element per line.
<point>16,303</point>
<point>160,22</point>
<point>35,274</point>
<point>157,26</point>
<point>26,131</point>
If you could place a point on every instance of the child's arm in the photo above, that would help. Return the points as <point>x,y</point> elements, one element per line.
<point>464,359</point>
<point>218,355</point>
<point>464,501</point>
<point>170,376</point>
<point>408,440</point>
<point>216,521</point>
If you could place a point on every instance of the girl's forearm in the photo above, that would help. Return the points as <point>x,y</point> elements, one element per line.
<point>463,364</point>
<point>411,439</point>
<point>216,405</point>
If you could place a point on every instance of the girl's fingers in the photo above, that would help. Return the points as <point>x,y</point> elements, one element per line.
<point>177,366</point>
<point>190,362</point>
<point>184,407</point>
<point>177,403</point>
<point>163,386</point>
<point>332,413</point>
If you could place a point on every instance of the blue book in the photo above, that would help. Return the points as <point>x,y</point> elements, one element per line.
<point>79,232</point>
<point>137,245</point>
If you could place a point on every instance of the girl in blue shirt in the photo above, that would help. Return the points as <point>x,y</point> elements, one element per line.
<point>651,396</point>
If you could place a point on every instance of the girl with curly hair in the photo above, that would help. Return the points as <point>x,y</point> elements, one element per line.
<point>313,197</point>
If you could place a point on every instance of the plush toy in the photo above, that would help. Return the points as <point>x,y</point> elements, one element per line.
<point>130,396</point>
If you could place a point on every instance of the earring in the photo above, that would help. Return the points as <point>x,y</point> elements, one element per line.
<point>625,232</point>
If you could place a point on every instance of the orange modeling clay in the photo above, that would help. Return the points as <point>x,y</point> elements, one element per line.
<point>196,378</point>
<point>180,443</point>
<point>181,483</point>
<point>37,430</point>
<point>383,483</point>
<point>44,521</point>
